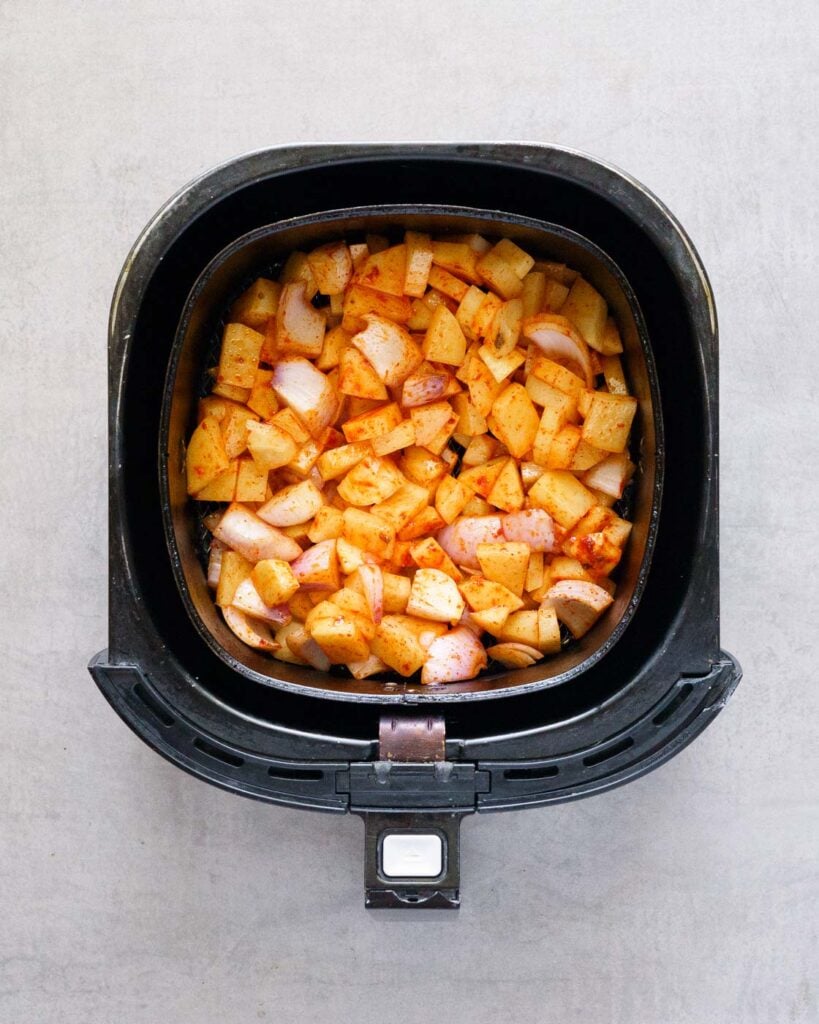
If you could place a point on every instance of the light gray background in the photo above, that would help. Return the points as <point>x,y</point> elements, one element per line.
<point>133,893</point>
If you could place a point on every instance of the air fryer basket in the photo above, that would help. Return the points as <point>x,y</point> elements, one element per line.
<point>406,763</point>
<point>230,273</point>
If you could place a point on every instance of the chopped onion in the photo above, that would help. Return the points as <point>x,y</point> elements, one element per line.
<point>242,530</point>
<point>454,656</point>
<point>532,526</point>
<point>247,599</point>
<point>460,539</point>
<point>307,391</point>
<point>578,604</point>
<point>250,631</point>
<point>556,337</point>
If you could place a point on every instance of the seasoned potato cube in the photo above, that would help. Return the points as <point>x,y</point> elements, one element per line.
<point>499,274</point>
<point>428,554</point>
<point>502,366</point>
<point>317,568</point>
<point>418,263</point>
<point>446,283</point>
<point>235,569</point>
<point>491,619</point>
<point>370,481</point>
<point>262,400</point>
<point>369,532</point>
<point>328,524</point>
<point>389,348</point>
<point>402,505</point>
<point>450,498</point>
<point>611,344</point>
<point>507,491</point>
<point>534,293</point>
<point>360,302</point>
<point>555,296</point>
<point>534,572</point>
<point>482,594</point>
<point>470,421</point>
<point>337,461</point>
<point>516,420</point>
<point>239,357</point>
<point>587,310</point>
<point>586,456</point>
<point>483,477</point>
<point>562,495</point>
<point>505,563</point>
<point>235,429</point>
<point>397,646</point>
<point>434,425</point>
<point>229,391</point>
<point>251,481</point>
<point>468,309</point>
<point>522,628</point>
<point>385,271</point>
<point>558,410</point>
<point>483,388</point>
<point>371,424</point>
<point>480,450</point>
<point>614,375</point>
<point>608,421</point>
<point>521,262</point>
<point>548,630</point>
<point>458,258</point>
<point>563,447</point>
<point>421,466</point>
<point>332,267</point>
<point>257,305</point>
<point>435,596</point>
<point>427,521</point>
<point>557,271</point>
<point>444,341</point>
<point>269,445</point>
<point>557,376</point>
<point>274,580</point>
<point>341,639</point>
<point>486,323</point>
<point>206,457</point>
<point>358,377</point>
<point>396,592</point>
<point>508,327</point>
<point>298,269</point>
<point>222,487</point>
<point>402,436</point>
<point>335,341</point>
<point>287,420</point>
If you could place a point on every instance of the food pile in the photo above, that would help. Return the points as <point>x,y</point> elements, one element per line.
<point>418,446</point>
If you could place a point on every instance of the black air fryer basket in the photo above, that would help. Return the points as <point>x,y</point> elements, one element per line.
<point>412,760</point>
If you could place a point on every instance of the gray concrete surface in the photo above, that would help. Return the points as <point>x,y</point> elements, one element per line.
<point>133,893</point>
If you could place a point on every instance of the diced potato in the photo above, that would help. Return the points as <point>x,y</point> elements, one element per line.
<point>435,596</point>
<point>585,456</point>
<point>483,388</point>
<point>562,495</point>
<point>516,419</point>
<point>402,505</point>
<point>491,619</point>
<point>482,594</point>
<point>332,267</point>
<point>335,341</point>
<point>502,366</point>
<point>370,481</point>
<point>292,505</point>
<point>328,524</point>
<point>262,400</point>
<point>369,532</point>
<point>529,472</point>
<point>470,421</point>
<point>397,646</point>
<point>558,376</point>
<point>402,436</point>
<point>418,263</point>
<point>421,466</point>
<point>608,421</point>
<point>385,271</point>
<point>555,294</point>
<point>482,478</point>
<point>458,258</point>
<point>614,375</point>
<point>447,283</point>
<point>389,348</point>
<point>257,305</point>
<point>507,491</point>
<point>251,481</point>
<point>558,410</point>
<point>235,569</point>
<point>480,450</point>
<point>337,461</point>
<point>317,568</point>
<point>534,292</point>
<point>360,302</point>
<point>444,341</point>
<point>548,630</point>
<point>611,344</point>
<point>274,580</point>
<point>522,628</point>
<point>563,447</point>
<point>499,274</point>
<point>239,357</point>
<point>557,271</point>
<point>427,521</point>
<point>420,316</point>
<point>486,323</point>
<point>235,429</point>
<point>450,498</point>
<point>380,420</point>
<point>341,639</point>
<point>206,457</point>
<point>222,487</point>
<point>521,262</point>
<point>396,592</point>
<point>587,310</point>
<point>428,554</point>
<point>508,328</point>
<point>358,377</point>
<point>534,572</point>
<point>468,309</point>
<point>229,391</point>
<point>434,425</point>
<point>505,563</point>
<point>285,419</point>
<point>269,445</point>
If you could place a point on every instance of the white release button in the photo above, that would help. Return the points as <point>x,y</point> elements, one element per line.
<point>412,855</point>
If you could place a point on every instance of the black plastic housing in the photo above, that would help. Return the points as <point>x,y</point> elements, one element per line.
<point>647,697</point>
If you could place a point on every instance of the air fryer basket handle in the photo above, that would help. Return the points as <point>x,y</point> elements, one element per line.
<point>412,859</point>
